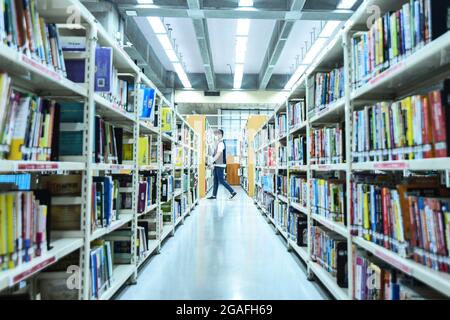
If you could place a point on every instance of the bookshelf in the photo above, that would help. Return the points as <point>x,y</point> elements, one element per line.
<point>166,131</point>
<point>342,170</point>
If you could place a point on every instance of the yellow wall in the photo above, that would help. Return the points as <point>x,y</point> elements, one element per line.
<point>253,125</point>
<point>198,123</point>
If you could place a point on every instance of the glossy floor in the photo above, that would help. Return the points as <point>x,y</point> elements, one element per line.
<point>225,250</point>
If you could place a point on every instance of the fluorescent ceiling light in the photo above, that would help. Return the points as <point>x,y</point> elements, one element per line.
<point>314,51</point>
<point>172,55</point>
<point>131,13</point>
<point>145,1</point>
<point>238,75</point>
<point>182,75</point>
<point>157,25</point>
<point>243,27</point>
<point>245,3</point>
<point>329,29</point>
<point>346,4</point>
<point>165,41</point>
<point>241,49</point>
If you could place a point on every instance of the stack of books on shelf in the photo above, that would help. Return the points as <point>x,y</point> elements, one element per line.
<point>296,113</point>
<point>281,125</point>
<point>32,37</point>
<point>328,199</point>
<point>298,228</point>
<point>408,217</point>
<point>142,240</point>
<point>106,201</point>
<point>101,266</point>
<point>376,280</point>
<point>298,156</point>
<point>282,185</point>
<point>147,193</point>
<point>282,156</point>
<point>327,145</point>
<point>29,129</point>
<point>329,87</point>
<point>413,128</point>
<point>395,36</point>
<point>329,250</point>
<point>281,215</point>
<point>108,142</point>
<point>23,227</point>
<point>299,190</point>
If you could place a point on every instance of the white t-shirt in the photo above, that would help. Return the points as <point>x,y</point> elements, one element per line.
<point>220,150</point>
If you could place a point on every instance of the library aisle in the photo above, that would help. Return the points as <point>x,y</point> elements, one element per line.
<point>225,251</point>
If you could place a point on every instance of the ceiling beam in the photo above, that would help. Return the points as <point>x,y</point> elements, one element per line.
<point>202,35</point>
<point>279,38</point>
<point>283,14</point>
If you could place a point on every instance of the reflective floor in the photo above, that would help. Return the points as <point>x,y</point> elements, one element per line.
<point>227,251</point>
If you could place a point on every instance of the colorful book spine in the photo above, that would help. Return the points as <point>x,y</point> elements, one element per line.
<point>327,145</point>
<point>299,190</point>
<point>328,199</point>
<point>329,87</point>
<point>296,113</point>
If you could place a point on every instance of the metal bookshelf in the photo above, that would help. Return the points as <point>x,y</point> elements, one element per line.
<point>420,69</point>
<point>34,77</point>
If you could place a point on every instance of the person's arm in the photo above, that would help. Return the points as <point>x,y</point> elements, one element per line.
<point>220,149</point>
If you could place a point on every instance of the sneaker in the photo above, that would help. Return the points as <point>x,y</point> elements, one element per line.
<point>211,198</point>
<point>233,195</point>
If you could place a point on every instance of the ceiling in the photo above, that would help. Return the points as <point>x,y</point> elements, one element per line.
<point>294,19</point>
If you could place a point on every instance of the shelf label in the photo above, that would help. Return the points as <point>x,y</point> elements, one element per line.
<point>37,166</point>
<point>41,68</point>
<point>398,264</point>
<point>391,166</point>
<point>27,273</point>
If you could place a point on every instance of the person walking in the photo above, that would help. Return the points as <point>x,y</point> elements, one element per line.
<point>220,163</point>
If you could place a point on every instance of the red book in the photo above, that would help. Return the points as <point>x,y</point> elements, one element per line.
<point>438,102</point>
<point>385,210</point>
<point>427,132</point>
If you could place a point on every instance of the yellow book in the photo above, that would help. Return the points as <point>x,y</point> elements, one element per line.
<point>43,142</point>
<point>407,107</point>
<point>366,216</point>
<point>166,120</point>
<point>10,235</point>
<point>127,152</point>
<point>380,43</point>
<point>3,231</point>
<point>144,147</point>
<point>20,127</point>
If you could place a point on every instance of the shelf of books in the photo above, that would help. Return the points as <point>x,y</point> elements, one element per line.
<point>367,157</point>
<point>81,157</point>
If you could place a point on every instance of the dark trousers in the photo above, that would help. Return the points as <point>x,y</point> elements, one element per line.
<point>219,178</point>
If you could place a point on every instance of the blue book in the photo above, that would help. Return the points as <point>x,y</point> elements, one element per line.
<point>147,103</point>
<point>103,62</point>
<point>71,143</point>
<point>76,70</point>
<point>107,198</point>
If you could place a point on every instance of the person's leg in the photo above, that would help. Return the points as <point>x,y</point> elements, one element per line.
<point>222,180</point>
<point>216,182</point>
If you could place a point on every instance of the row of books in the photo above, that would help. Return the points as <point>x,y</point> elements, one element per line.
<point>299,190</point>
<point>328,87</point>
<point>297,113</point>
<point>281,124</point>
<point>147,151</point>
<point>396,35</point>
<point>376,280</point>
<point>282,158</point>
<point>327,145</point>
<point>180,206</point>
<point>328,199</point>
<point>281,214</point>
<point>267,182</point>
<point>266,200</point>
<point>266,135</point>
<point>413,128</point>
<point>167,188</point>
<point>298,154</point>
<point>28,125</point>
<point>282,185</point>
<point>298,228</point>
<point>267,158</point>
<point>23,29</point>
<point>23,227</point>
<point>147,196</point>
<point>409,218</point>
<point>106,201</point>
<point>329,250</point>
<point>101,267</point>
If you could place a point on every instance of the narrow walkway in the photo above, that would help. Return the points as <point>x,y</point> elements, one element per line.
<point>226,251</point>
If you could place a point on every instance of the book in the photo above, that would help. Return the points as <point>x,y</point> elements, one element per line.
<point>296,113</point>
<point>328,199</point>
<point>298,156</point>
<point>329,250</point>
<point>327,145</point>
<point>298,190</point>
<point>101,267</point>
<point>396,35</point>
<point>328,88</point>
<point>413,128</point>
